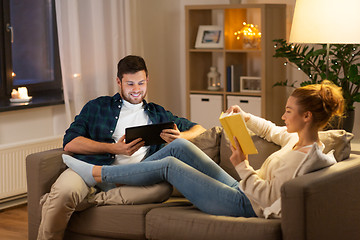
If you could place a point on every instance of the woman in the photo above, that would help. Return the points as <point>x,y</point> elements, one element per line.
<point>209,187</point>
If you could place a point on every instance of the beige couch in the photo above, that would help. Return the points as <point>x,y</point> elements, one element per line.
<point>319,205</point>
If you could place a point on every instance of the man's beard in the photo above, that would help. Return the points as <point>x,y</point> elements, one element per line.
<point>131,99</point>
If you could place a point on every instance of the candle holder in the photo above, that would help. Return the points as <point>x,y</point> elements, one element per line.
<point>20,95</point>
<point>213,79</point>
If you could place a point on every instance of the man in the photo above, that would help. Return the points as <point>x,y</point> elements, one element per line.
<point>97,136</point>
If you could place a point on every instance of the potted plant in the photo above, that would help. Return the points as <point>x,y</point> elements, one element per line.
<point>343,69</point>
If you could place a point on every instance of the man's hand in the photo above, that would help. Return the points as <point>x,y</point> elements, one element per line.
<point>237,155</point>
<point>127,148</point>
<point>170,135</point>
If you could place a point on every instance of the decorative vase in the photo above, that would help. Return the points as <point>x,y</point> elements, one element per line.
<point>213,79</point>
<point>346,122</point>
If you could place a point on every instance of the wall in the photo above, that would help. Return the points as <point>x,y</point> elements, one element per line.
<point>30,124</point>
<point>160,25</point>
<point>163,33</point>
<point>159,33</point>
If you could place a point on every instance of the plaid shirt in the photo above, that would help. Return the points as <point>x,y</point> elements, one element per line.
<point>98,118</point>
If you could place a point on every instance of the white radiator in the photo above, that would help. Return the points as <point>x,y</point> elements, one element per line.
<point>12,165</point>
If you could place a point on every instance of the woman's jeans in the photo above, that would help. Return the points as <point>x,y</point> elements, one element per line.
<point>192,172</point>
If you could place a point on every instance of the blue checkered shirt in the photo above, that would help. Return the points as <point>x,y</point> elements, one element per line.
<point>98,118</point>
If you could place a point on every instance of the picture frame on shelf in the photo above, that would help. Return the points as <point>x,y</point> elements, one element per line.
<point>210,36</point>
<point>250,84</point>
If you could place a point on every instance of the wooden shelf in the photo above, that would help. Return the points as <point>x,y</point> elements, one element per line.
<point>225,50</point>
<point>271,20</point>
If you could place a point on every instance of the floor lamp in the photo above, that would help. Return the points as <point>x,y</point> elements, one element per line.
<point>326,22</point>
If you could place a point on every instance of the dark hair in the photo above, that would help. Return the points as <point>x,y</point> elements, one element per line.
<point>323,100</point>
<point>131,64</point>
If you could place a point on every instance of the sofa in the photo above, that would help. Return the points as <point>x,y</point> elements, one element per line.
<point>324,204</point>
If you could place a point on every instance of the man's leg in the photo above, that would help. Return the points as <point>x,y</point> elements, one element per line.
<point>65,195</point>
<point>130,195</point>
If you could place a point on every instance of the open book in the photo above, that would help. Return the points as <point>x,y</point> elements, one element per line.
<point>234,125</point>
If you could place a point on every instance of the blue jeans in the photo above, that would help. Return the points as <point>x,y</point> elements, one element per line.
<point>192,172</point>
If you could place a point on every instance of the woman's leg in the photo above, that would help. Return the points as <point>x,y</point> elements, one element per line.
<point>190,154</point>
<point>208,194</point>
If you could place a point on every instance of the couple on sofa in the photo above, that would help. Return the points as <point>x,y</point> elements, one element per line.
<point>96,137</point>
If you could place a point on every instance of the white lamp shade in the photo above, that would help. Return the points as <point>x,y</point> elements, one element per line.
<point>326,21</point>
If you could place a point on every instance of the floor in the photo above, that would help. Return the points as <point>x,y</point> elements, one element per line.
<point>13,223</point>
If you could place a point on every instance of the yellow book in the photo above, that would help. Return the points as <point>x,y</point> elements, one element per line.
<point>234,125</point>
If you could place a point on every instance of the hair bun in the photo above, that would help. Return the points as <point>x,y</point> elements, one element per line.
<point>331,95</point>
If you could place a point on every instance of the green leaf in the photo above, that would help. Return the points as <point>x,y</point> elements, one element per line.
<point>356,97</point>
<point>353,72</point>
<point>343,68</point>
<point>284,84</point>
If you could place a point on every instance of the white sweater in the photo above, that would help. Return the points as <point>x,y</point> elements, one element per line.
<point>262,186</point>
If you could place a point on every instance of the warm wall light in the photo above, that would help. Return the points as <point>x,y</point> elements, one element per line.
<point>76,76</point>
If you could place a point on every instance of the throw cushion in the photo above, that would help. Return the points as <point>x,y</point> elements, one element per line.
<point>315,160</point>
<point>209,142</point>
<point>339,140</point>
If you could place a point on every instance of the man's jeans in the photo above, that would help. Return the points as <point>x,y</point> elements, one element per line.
<point>192,172</point>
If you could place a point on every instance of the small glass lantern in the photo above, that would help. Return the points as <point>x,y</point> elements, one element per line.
<point>213,79</point>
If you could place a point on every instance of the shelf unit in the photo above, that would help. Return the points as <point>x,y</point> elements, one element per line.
<point>271,21</point>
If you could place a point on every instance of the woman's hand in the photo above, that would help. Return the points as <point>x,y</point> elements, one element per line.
<point>237,155</point>
<point>234,109</point>
<point>237,109</point>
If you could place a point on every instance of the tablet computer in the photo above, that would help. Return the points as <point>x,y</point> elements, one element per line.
<point>149,133</point>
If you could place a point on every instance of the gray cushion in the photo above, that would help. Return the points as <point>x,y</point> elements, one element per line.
<point>122,221</point>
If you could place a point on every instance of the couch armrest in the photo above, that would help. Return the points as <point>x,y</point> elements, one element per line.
<point>323,204</point>
<point>42,170</point>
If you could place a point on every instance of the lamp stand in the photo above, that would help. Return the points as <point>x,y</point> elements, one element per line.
<point>327,60</point>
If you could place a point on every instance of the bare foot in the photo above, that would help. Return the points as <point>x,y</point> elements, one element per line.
<point>96,172</point>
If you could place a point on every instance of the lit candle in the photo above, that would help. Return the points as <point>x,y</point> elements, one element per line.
<point>14,94</point>
<point>23,93</point>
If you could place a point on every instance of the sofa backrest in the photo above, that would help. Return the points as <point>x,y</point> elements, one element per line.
<point>216,145</point>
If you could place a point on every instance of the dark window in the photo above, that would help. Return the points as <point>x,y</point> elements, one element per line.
<point>29,47</point>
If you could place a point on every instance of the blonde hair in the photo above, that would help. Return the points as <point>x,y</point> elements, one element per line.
<point>323,100</point>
